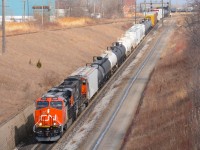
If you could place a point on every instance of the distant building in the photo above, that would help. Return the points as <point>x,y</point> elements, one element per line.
<point>71,8</point>
<point>129,8</point>
<point>20,10</point>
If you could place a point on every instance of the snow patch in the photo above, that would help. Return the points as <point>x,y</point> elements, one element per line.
<point>154,33</point>
<point>149,40</point>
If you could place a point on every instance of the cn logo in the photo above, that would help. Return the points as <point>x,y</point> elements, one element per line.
<point>48,117</point>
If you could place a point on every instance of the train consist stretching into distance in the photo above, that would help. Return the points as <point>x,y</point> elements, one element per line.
<point>59,107</point>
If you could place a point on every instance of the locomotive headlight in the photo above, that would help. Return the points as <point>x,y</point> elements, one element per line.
<point>40,124</point>
<point>48,111</point>
<point>54,123</point>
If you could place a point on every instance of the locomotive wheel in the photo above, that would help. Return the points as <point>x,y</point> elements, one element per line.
<point>86,104</point>
<point>65,127</point>
<point>61,133</point>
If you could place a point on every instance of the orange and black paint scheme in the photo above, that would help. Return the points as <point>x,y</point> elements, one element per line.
<point>58,108</point>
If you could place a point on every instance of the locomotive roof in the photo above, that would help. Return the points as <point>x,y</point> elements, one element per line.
<point>70,82</point>
<point>83,71</point>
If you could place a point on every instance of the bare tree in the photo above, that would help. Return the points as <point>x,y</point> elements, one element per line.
<point>193,23</point>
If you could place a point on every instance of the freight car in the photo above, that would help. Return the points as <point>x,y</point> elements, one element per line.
<point>103,66</point>
<point>153,17</point>
<point>148,25</point>
<point>59,107</point>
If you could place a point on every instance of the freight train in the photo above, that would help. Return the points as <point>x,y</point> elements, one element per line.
<point>61,105</point>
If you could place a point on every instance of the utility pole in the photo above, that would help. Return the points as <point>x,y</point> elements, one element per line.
<point>58,2</point>
<point>135,9</point>
<point>87,3</point>
<point>42,13</point>
<point>24,11</point>
<point>70,7</point>
<point>94,8</point>
<point>28,9</point>
<point>102,10</point>
<point>3,28</point>
<point>162,13</point>
<point>145,8</point>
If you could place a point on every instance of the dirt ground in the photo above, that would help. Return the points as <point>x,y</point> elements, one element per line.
<point>60,53</point>
<point>163,120</point>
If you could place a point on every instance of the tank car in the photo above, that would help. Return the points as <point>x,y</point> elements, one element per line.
<point>120,51</point>
<point>104,69</point>
<point>128,42</point>
<point>112,58</point>
<point>147,23</point>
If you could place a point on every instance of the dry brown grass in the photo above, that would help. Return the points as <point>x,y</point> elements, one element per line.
<point>75,22</point>
<point>163,118</point>
<point>15,27</point>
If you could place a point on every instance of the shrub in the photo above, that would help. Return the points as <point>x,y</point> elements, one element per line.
<point>39,64</point>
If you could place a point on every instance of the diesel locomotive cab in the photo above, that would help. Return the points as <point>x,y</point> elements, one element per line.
<point>57,109</point>
<point>49,118</point>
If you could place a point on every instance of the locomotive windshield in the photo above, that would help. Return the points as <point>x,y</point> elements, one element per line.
<point>42,104</point>
<point>56,104</point>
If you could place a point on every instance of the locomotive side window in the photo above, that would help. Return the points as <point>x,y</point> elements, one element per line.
<point>57,105</point>
<point>41,105</point>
